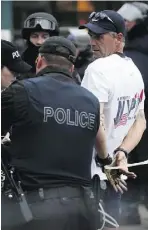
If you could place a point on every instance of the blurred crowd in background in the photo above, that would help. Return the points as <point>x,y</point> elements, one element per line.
<point>14,14</point>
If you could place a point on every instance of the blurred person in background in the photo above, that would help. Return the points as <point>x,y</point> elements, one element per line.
<point>136,47</point>
<point>84,58</point>
<point>37,28</point>
<point>136,20</point>
<point>75,74</point>
<point>85,54</point>
<point>11,64</point>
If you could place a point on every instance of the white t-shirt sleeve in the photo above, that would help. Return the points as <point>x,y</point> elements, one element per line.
<point>95,81</point>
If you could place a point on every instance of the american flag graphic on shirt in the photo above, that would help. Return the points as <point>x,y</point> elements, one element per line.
<point>127,108</point>
<point>123,120</point>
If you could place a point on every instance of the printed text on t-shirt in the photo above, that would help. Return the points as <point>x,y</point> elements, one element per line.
<point>127,108</point>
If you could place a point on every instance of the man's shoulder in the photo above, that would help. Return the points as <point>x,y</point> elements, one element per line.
<point>100,70</point>
<point>103,64</point>
<point>97,64</point>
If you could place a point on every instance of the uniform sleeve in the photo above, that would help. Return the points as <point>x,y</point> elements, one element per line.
<point>95,81</point>
<point>14,103</point>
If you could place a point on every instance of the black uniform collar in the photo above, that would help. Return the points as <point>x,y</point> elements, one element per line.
<point>51,69</point>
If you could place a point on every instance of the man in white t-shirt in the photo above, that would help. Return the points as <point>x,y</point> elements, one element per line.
<point>117,83</point>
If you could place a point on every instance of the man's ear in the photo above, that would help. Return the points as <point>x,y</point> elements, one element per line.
<point>120,37</point>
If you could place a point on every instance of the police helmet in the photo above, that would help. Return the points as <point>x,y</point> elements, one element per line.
<point>40,22</point>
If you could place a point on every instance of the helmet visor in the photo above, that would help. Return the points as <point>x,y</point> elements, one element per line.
<point>44,23</point>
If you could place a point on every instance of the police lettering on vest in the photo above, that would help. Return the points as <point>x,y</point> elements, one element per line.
<point>66,116</point>
<point>15,54</point>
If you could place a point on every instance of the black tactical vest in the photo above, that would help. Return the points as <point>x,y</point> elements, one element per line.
<point>54,144</point>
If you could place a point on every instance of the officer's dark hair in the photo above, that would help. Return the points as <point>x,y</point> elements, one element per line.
<point>57,60</point>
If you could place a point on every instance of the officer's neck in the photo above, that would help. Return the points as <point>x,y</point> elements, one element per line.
<point>54,69</point>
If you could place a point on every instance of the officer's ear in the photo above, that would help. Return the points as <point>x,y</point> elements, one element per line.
<point>40,63</point>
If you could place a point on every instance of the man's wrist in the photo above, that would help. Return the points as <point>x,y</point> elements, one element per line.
<point>121,150</point>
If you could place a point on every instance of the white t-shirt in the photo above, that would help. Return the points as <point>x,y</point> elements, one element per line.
<point>117,82</point>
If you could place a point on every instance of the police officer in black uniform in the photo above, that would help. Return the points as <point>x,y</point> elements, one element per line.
<point>37,28</point>
<point>11,64</point>
<point>53,124</point>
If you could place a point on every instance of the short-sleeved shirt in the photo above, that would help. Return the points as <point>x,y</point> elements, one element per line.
<point>116,81</point>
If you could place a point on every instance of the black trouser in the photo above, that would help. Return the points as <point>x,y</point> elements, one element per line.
<point>139,187</point>
<point>64,208</point>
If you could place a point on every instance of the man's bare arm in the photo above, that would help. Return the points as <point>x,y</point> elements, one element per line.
<point>101,146</point>
<point>135,133</point>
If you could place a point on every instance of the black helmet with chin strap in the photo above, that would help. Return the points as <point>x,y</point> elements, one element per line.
<point>40,21</point>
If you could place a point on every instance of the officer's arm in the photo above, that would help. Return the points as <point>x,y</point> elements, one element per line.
<point>13,106</point>
<point>135,133</point>
<point>101,146</point>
